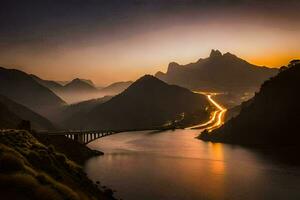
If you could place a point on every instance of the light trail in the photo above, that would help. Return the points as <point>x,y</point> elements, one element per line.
<point>217,118</point>
<point>212,119</point>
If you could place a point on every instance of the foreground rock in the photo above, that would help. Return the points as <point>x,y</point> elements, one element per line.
<point>31,170</point>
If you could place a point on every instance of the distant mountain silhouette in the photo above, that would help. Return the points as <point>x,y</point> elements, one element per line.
<point>219,72</point>
<point>63,82</point>
<point>12,113</point>
<point>23,89</point>
<point>79,85</point>
<point>116,88</point>
<point>88,82</point>
<point>73,91</point>
<point>52,85</point>
<point>271,117</point>
<point>147,103</point>
<point>79,90</point>
<point>83,107</point>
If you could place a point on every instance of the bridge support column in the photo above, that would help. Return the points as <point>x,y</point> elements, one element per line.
<point>80,138</point>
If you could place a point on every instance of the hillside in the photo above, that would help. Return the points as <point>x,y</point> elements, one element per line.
<point>8,119</point>
<point>78,85</point>
<point>82,108</point>
<point>73,91</point>
<point>219,72</point>
<point>29,170</point>
<point>52,85</point>
<point>271,117</point>
<point>23,89</point>
<point>116,88</point>
<point>147,103</point>
<point>12,113</point>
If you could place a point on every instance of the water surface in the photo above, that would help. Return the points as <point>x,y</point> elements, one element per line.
<point>173,165</point>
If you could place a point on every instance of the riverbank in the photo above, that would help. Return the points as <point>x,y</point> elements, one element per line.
<point>32,170</point>
<point>75,151</point>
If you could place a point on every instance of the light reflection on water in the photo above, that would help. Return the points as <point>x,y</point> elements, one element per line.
<point>174,165</point>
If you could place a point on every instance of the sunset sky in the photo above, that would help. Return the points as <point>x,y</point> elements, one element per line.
<point>119,40</point>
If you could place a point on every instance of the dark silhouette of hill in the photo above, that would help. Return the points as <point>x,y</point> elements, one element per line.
<point>78,90</point>
<point>12,113</point>
<point>82,108</point>
<point>23,89</point>
<point>88,82</point>
<point>219,72</point>
<point>52,85</point>
<point>30,169</point>
<point>147,103</point>
<point>78,85</point>
<point>116,88</point>
<point>74,91</point>
<point>271,117</point>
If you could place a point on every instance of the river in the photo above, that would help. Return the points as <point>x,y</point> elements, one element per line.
<point>173,165</point>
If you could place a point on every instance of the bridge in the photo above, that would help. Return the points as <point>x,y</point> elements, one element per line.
<point>87,136</point>
<point>81,136</point>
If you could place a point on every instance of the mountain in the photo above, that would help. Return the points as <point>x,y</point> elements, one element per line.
<point>88,82</point>
<point>219,72</point>
<point>23,89</point>
<point>52,85</point>
<point>78,85</point>
<point>8,119</point>
<point>73,91</point>
<point>63,82</point>
<point>12,113</point>
<point>78,90</point>
<point>82,107</point>
<point>147,103</point>
<point>116,88</point>
<point>271,117</point>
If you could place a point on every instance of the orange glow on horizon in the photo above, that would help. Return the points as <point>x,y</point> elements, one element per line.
<point>128,58</point>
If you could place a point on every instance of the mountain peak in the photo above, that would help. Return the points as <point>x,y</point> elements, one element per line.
<point>80,84</point>
<point>147,81</point>
<point>173,66</point>
<point>215,53</point>
<point>147,78</point>
<point>76,80</point>
<point>228,54</point>
<point>80,80</point>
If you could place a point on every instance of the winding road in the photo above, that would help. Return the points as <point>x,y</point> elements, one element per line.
<point>217,116</point>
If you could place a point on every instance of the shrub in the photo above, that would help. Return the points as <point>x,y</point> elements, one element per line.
<point>46,193</point>
<point>66,191</point>
<point>42,178</point>
<point>51,148</point>
<point>24,184</point>
<point>61,157</point>
<point>10,163</point>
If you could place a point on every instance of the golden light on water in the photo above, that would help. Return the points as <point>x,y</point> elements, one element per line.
<point>218,166</point>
